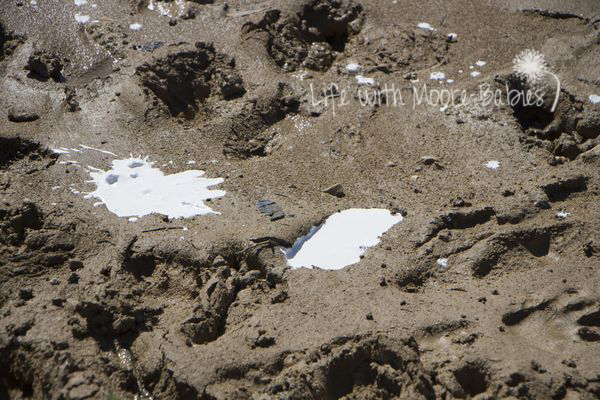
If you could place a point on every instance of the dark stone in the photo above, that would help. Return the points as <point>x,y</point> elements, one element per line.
<point>43,66</point>
<point>336,190</point>
<point>25,293</point>
<point>270,209</point>
<point>18,114</point>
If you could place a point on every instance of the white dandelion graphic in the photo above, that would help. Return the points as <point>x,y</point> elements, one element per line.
<point>531,65</point>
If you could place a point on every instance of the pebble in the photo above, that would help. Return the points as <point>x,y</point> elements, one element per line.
<point>17,114</point>
<point>428,160</point>
<point>336,190</point>
<point>452,37</point>
<point>25,293</point>
<point>74,265</point>
<point>270,209</point>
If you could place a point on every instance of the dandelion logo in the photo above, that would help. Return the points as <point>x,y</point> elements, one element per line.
<point>531,66</point>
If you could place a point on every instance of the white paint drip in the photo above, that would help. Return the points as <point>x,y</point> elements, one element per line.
<point>79,3</point>
<point>595,99</point>
<point>361,80</point>
<point>562,214</point>
<point>60,150</point>
<point>353,68</point>
<point>480,63</point>
<point>493,164</point>
<point>95,149</point>
<point>82,19</point>
<point>170,9</point>
<point>135,26</point>
<point>437,76</point>
<point>475,74</point>
<point>442,262</point>
<point>426,26</point>
<point>341,239</point>
<point>134,188</point>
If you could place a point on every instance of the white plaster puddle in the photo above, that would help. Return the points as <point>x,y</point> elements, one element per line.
<point>594,99</point>
<point>134,188</point>
<point>341,239</point>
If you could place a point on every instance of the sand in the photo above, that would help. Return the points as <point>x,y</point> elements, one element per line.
<point>487,288</point>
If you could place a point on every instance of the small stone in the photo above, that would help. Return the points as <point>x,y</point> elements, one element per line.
<point>458,202</point>
<point>43,66</point>
<point>58,301</point>
<point>270,209</point>
<point>370,316</point>
<point>73,278</point>
<point>397,210</point>
<point>536,366</point>
<point>219,261</point>
<point>18,114</point>
<point>391,164</point>
<point>84,391</point>
<point>541,201</point>
<point>382,281</point>
<point>54,281</point>
<point>25,293</point>
<point>428,160</point>
<point>569,363</point>
<point>260,339</point>
<point>74,265</point>
<point>336,190</point>
<point>279,297</point>
<point>588,334</point>
<point>445,235</point>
